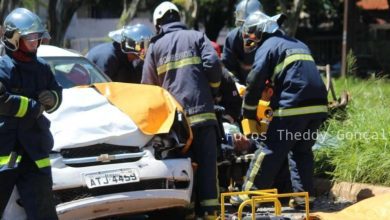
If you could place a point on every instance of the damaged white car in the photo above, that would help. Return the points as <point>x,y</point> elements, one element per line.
<point>116,145</point>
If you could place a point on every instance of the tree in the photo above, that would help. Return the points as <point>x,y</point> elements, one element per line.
<point>215,15</point>
<point>6,7</point>
<point>325,12</point>
<point>129,9</point>
<point>60,15</point>
<point>189,11</point>
<point>292,10</point>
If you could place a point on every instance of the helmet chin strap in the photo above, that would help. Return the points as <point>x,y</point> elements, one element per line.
<point>11,42</point>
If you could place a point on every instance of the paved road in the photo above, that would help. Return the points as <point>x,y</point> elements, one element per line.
<point>323,203</point>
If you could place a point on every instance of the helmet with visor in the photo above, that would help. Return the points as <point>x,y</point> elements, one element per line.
<point>22,23</point>
<point>255,25</point>
<point>135,39</point>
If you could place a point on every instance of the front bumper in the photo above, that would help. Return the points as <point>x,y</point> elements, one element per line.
<point>123,203</point>
<point>163,184</point>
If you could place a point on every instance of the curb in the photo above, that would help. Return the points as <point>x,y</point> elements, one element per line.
<point>353,192</point>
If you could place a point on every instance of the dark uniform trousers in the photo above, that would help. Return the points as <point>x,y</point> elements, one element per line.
<point>296,134</point>
<point>34,186</point>
<point>204,153</point>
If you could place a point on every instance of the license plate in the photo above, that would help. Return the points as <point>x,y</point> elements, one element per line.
<point>111,177</point>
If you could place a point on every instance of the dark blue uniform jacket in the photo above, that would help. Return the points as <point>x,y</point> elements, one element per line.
<point>231,99</point>
<point>21,125</point>
<point>185,63</point>
<point>234,58</point>
<point>113,62</point>
<point>298,85</point>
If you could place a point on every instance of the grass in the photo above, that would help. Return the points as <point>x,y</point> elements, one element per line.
<point>362,151</point>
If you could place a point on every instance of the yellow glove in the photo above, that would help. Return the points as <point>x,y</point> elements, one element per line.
<point>241,89</point>
<point>250,126</point>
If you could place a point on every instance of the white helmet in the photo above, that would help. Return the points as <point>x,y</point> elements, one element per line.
<point>245,8</point>
<point>162,9</point>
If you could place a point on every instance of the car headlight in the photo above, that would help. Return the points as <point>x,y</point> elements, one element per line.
<point>166,146</point>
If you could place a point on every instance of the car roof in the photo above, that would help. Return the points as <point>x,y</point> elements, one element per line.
<point>53,51</point>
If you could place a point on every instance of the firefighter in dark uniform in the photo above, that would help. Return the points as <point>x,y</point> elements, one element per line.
<point>299,103</point>
<point>234,57</point>
<point>230,98</point>
<point>184,62</point>
<point>238,59</point>
<point>122,59</point>
<point>27,88</point>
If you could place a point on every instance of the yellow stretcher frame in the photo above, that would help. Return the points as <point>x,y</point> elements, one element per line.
<point>263,196</point>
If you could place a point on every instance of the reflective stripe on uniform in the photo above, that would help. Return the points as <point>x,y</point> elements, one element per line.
<point>290,59</point>
<point>42,163</point>
<point>301,111</point>
<point>209,202</point>
<point>243,197</point>
<point>255,169</point>
<point>5,159</point>
<point>178,64</point>
<point>212,202</point>
<point>215,85</point>
<point>249,107</point>
<point>22,107</point>
<point>4,162</point>
<point>201,117</point>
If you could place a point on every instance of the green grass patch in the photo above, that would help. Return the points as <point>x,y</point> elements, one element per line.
<point>362,151</point>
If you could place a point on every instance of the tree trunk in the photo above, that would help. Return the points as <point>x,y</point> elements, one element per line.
<point>190,11</point>
<point>128,12</point>
<point>217,20</point>
<point>60,15</point>
<point>293,12</point>
<point>6,6</point>
<point>269,6</point>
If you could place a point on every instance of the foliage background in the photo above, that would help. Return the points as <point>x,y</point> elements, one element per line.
<point>357,148</point>
<point>211,14</point>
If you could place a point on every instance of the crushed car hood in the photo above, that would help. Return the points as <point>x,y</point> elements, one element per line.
<point>152,108</point>
<point>113,113</point>
<point>86,117</point>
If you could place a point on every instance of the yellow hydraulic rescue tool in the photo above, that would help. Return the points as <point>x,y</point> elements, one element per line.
<point>264,114</point>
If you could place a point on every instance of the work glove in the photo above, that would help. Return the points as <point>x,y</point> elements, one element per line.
<point>47,99</point>
<point>241,89</point>
<point>41,109</point>
<point>251,128</point>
